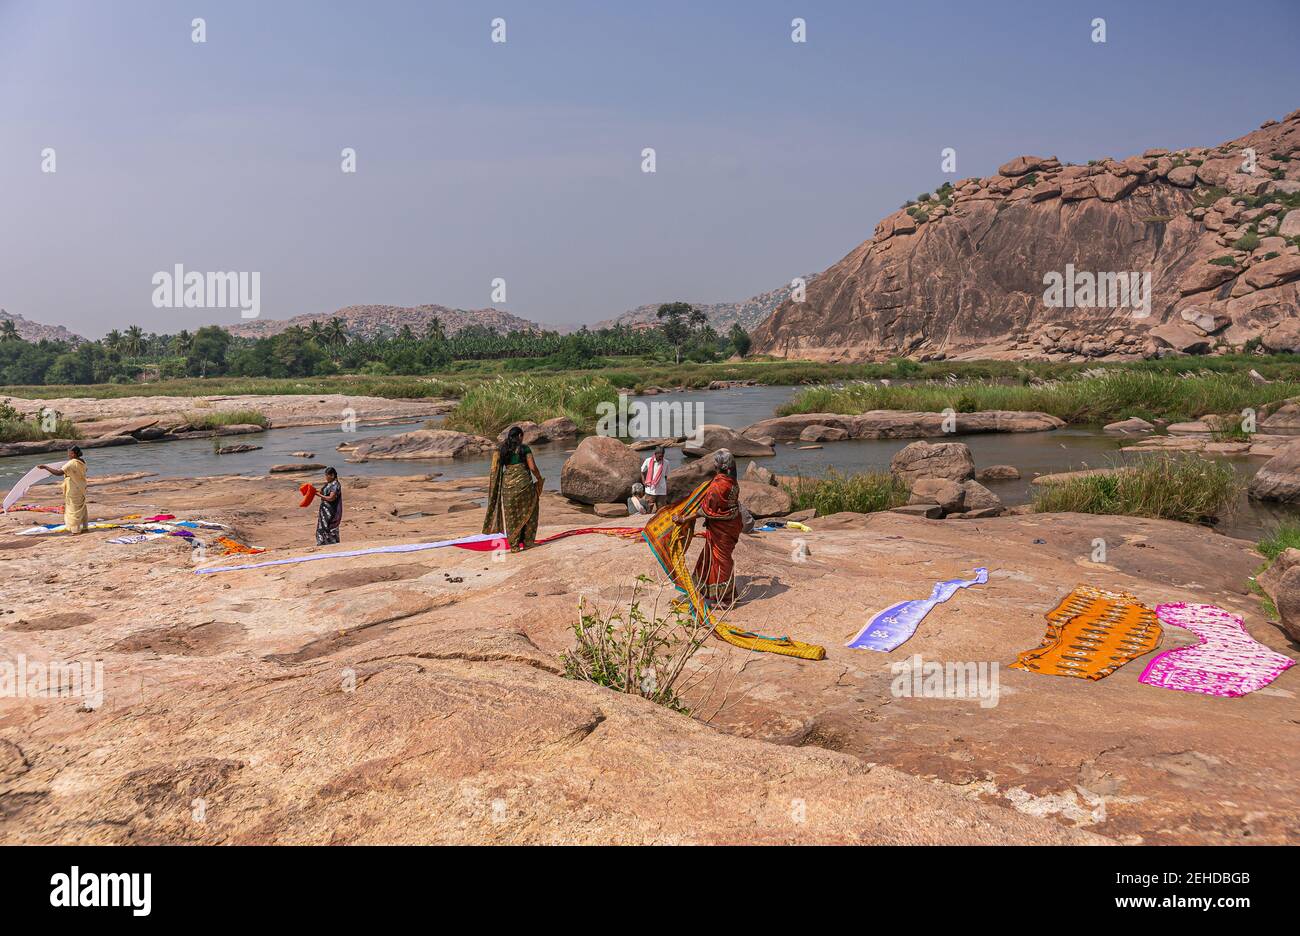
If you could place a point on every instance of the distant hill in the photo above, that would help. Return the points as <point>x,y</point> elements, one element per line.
<point>370,321</point>
<point>748,312</point>
<point>35,331</point>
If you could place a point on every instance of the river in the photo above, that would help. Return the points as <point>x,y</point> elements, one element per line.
<point>1032,452</point>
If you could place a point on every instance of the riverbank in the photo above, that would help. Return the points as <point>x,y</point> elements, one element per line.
<point>434,678</point>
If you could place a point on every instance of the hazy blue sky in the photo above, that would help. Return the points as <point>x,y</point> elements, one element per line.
<point>522,160</point>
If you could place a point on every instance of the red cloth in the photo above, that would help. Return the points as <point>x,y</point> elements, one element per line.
<point>309,493</point>
<point>715,567</point>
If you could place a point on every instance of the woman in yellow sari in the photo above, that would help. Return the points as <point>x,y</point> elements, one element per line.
<point>514,492</point>
<point>73,473</point>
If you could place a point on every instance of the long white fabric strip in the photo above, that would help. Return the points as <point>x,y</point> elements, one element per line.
<point>26,481</point>
<point>402,548</point>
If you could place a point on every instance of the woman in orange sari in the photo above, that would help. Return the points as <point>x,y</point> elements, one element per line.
<point>715,569</point>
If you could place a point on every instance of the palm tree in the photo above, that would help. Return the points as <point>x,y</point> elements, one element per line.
<point>134,341</point>
<point>113,340</point>
<point>337,333</point>
<point>8,330</point>
<point>183,342</point>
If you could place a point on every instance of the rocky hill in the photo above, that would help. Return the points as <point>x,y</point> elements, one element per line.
<point>1035,260</point>
<point>722,315</point>
<point>369,321</point>
<point>35,331</point>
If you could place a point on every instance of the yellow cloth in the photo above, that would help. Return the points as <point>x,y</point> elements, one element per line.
<point>74,495</point>
<point>669,543</point>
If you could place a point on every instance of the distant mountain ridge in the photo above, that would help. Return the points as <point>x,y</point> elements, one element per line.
<point>35,331</point>
<point>722,315</point>
<point>371,321</point>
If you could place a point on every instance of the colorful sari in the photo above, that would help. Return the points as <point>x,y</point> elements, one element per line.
<point>668,541</point>
<point>512,505</point>
<point>715,569</point>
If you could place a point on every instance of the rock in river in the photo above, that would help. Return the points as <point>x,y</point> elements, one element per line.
<point>950,460</point>
<point>423,443</point>
<point>601,470</point>
<point>1279,478</point>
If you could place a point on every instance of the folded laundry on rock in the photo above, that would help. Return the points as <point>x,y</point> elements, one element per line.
<point>892,627</point>
<point>1092,633</point>
<point>1227,662</point>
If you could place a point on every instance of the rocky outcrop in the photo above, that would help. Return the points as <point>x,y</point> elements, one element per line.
<point>967,499</point>
<point>998,473</point>
<point>948,460</point>
<point>552,430</point>
<point>967,271</point>
<point>764,500</point>
<point>373,321</point>
<point>422,443</point>
<point>601,470</point>
<point>710,438</point>
<point>1278,479</point>
<point>894,424</point>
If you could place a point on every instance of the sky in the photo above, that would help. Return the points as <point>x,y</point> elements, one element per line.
<point>522,160</point>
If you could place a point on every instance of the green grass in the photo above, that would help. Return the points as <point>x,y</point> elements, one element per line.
<point>1117,394</point>
<point>14,428</point>
<point>1188,489</point>
<point>1284,536</point>
<point>867,492</point>
<point>216,419</point>
<point>489,407</point>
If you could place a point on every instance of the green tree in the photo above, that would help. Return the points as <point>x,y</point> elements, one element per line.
<point>679,321</point>
<point>739,339</point>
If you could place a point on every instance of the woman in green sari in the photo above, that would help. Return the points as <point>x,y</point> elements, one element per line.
<point>513,494</point>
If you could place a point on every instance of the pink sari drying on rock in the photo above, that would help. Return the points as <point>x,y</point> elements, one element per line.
<point>1227,662</point>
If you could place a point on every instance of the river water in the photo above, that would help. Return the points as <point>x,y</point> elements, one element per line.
<point>1032,452</point>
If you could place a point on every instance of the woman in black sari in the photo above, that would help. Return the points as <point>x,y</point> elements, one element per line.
<point>331,510</point>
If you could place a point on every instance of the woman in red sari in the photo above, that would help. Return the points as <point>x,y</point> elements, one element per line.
<point>715,574</point>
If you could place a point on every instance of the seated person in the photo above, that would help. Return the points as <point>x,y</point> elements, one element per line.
<point>638,503</point>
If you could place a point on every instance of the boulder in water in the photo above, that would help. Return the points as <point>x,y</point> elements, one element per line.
<point>601,470</point>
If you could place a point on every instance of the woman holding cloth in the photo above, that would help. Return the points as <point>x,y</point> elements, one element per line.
<point>73,473</point>
<point>514,492</point>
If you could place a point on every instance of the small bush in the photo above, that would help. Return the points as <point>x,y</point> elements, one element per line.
<point>867,492</point>
<point>635,652</point>
<point>14,428</point>
<point>219,418</point>
<point>1188,489</point>
<point>1284,536</point>
<point>489,407</point>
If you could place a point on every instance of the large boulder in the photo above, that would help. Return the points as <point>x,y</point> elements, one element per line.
<point>947,494</point>
<point>687,477</point>
<point>560,427</point>
<point>601,470</point>
<point>533,433</point>
<point>1279,477</point>
<point>978,497</point>
<point>1286,597</point>
<point>1181,338</point>
<point>1130,426</point>
<point>950,460</point>
<point>819,433</point>
<point>759,475</point>
<point>710,438</point>
<point>998,473</point>
<point>423,443</point>
<point>1271,578</point>
<point>764,500</point>
<point>790,428</point>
